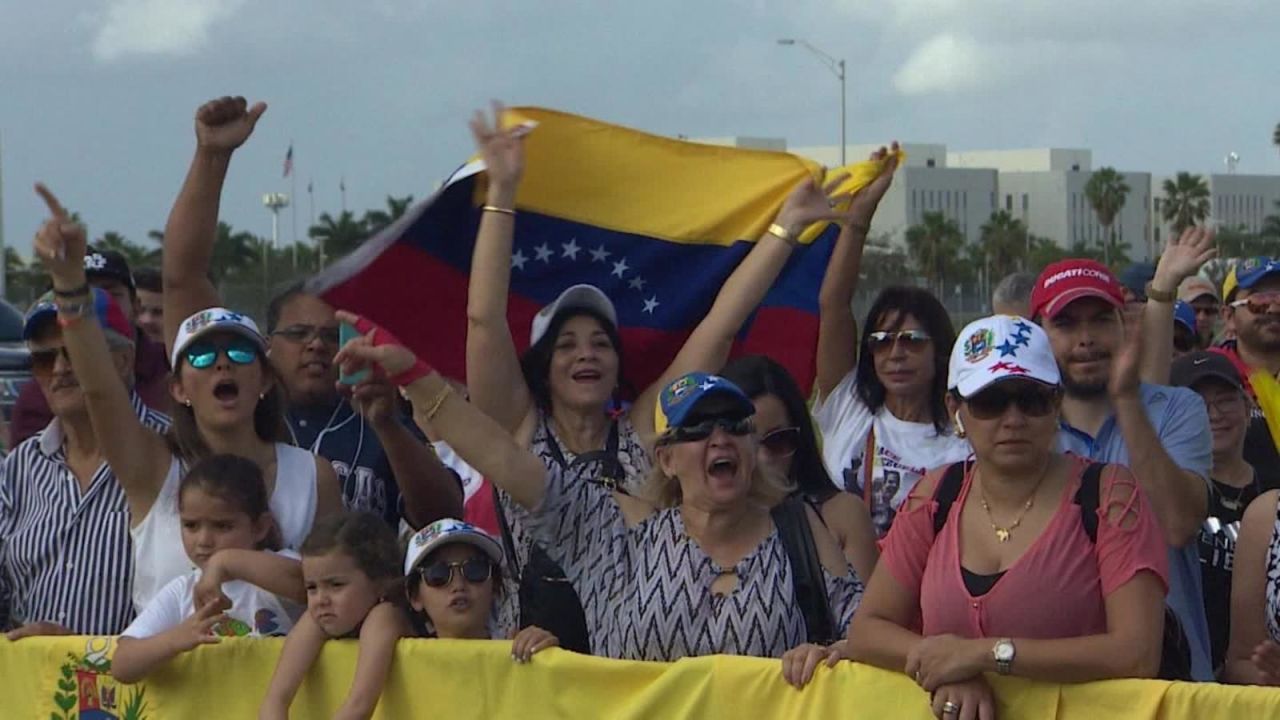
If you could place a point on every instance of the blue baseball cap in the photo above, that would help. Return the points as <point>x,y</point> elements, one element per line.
<point>678,399</point>
<point>1135,278</point>
<point>1254,270</point>
<point>1185,314</point>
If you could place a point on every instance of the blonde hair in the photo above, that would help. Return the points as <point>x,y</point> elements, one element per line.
<point>768,488</point>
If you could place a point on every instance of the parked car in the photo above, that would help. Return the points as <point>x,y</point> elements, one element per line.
<point>15,360</point>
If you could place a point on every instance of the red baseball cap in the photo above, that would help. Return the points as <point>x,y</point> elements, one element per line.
<point>1066,281</point>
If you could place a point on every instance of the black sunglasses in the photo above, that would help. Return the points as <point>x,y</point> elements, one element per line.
<point>42,361</point>
<point>1031,401</point>
<point>781,443</point>
<point>703,430</point>
<point>440,573</point>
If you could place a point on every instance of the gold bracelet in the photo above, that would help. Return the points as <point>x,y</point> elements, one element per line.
<point>438,401</point>
<point>495,208</point>
<point>781,233</point>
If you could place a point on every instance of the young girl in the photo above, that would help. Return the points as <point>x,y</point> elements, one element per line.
<point>453,571</point>
<point>351,567</point>
<point>239,587</point>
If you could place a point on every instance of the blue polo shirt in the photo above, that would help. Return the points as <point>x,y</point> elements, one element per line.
<point>1182,424</point>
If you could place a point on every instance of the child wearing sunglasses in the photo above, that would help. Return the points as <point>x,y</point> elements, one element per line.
<point>240,585</point>
<point>453,573</point>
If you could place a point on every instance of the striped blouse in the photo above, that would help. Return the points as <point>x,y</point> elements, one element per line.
<point>65,554</point>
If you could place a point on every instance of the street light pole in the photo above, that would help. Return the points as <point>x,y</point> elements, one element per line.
<point>836,66</point>
<point>274,202</point>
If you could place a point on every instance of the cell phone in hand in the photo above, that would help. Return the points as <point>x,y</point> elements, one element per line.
<point>346,332</point>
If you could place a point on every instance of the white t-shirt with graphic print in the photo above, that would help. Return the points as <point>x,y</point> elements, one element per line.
<point>254,611</point>
<point>904,451</point>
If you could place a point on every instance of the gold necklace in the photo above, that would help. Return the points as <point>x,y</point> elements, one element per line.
<point>1003,533</point>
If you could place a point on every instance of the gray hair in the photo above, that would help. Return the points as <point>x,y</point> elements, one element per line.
<point>1013,292</point>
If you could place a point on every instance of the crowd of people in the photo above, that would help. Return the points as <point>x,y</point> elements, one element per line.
<point>1059,492</point>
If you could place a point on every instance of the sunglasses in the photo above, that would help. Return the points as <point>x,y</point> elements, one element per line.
<point>239,351</point>
<point>1034,402</point>
<point>303,334</point>
<point>914,340</point>
<point>439,574</point>
<point>781,443</point>
<point>1258,303</point>
<point>42,361</point>
<point>703,430</point>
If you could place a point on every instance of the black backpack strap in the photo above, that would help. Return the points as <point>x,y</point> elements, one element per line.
<point>508,544</point>
<point>1089,498</point>
<point>810,587</point>
<point>946,493</point>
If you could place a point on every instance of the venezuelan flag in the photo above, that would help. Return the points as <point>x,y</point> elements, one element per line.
<point>657,224</point>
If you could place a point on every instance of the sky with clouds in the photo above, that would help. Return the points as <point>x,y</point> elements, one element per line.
<point>97,96</point>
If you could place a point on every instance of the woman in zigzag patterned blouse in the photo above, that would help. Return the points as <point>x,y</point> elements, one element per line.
<point>699,568</point>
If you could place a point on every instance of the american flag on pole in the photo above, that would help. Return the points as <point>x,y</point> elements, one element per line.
<point>288,161</point>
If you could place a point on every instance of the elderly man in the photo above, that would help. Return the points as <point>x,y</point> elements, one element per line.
<point>107,270</point>
<point>65,557</point>
<point>1012,295</point>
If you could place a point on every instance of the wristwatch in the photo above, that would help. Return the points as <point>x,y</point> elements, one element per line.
<point>1160,296</point>
<point>1004,652</point>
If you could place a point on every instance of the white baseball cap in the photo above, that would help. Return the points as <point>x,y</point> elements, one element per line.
<point>211,320</point>
<point>997,348</point>
<point>587,297</point>
<point>447,532</point>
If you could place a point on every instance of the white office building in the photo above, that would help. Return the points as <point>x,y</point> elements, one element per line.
<point>1234,201</point>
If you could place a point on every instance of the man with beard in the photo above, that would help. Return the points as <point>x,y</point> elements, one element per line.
<point>1252,317</point>
<point>384,467</point>
<point>1108,415</point>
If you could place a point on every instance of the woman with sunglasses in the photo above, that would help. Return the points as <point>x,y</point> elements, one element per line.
<point>1023,561</point>
<point>788,445</point>
<point>227,400</point>
<point>562,397</point>
<point>653,574</point>
<point>879,402</point>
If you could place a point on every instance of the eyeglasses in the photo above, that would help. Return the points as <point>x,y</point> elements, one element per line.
<point>239,351</point>
<point>303,334</point>
<point>703,430</point>
<point>1225,404</point>
<point>1031,401</point>
<point>1258,303</point>
<point>42,361</point>
<point>781,443</point>
<point>439,574</point>
<point>914,340</point>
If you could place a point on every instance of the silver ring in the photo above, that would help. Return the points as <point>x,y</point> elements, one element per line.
<point>950,708</point>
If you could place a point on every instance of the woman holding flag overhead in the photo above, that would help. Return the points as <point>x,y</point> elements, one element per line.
<point>559,399</point>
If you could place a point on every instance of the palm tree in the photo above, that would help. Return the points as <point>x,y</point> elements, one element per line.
<point>1005,243</point>
<point>233,252</point>
<point>1107,192</point>
<point>134,254</point>
<point>935,246</point>
<point>337,236</point>
<point>1186,201</point>
<point>376,220</point>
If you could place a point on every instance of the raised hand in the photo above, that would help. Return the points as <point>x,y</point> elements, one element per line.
<point>1184,257</point>
<point>865,201</point>
<point>375,399</point>
<point>377,347</point>
<point>808,203</point>
<point>1126,365</point>
<point>502,150</point>
<point>224,124</point>
<point>60,244</point>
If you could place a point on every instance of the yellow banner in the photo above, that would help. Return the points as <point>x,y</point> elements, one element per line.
<point>68,678</point>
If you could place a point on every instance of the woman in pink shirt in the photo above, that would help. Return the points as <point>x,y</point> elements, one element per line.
<point>993,566</point>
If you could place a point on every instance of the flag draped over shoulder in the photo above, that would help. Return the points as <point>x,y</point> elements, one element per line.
<point>657,224</point>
